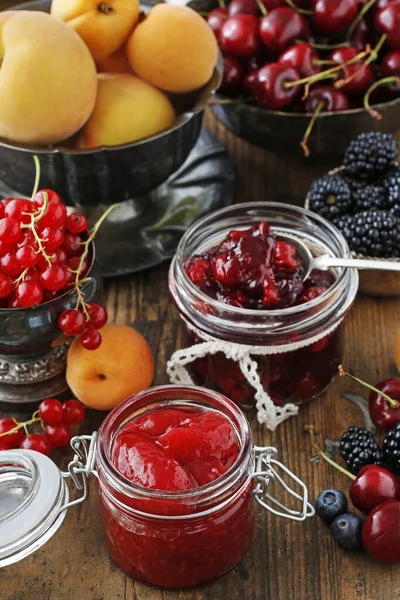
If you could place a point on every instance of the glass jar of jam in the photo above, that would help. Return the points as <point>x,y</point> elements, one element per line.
<point>251,327</point>
<point>177,475</point>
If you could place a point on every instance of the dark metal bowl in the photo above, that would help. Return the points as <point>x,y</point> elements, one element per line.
<point>108,174</point>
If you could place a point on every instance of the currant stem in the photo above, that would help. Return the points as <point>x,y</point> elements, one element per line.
<point>37,176</point>
<point>393,403</point>
<point>302,11</point>
<point>309,129</point>
<point>19,426</point>
<point>310,430</point>
<point>358,18</point>
<point>382,82</point>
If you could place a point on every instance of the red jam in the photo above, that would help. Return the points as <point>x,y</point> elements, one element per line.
<point>252,269</point>
<point>177,450</point>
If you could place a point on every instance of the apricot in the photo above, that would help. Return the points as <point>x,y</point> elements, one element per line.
<point>127,109</point>
<point>174,49</point>
<point>115,63</point>
<point>48,79</point>
<point>120,367</point>
<point>104,26</point>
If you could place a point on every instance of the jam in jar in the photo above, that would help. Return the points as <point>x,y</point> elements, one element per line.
<point>235,281</point>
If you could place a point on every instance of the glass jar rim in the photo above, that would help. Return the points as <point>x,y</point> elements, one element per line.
<point>120,414</point>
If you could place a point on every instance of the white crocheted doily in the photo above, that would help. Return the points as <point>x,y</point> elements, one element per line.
<point>267,412</point>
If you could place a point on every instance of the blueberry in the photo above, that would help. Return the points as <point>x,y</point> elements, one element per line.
<point>346,530</point>
<point>330,504</point>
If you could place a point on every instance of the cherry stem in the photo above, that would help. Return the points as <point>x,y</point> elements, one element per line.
<point>309,129</point>
<point>324,62</point>
<point>373,56</point>
<point>221,3</point>
<point>262,8</point>
<point>325,46</point>
<point>37,176</point>
<point>310,430</point>
<point>393,403</point>
<point>358,18</point>
<point>382,82</point>
<point>23,425</point>
<point>302,11</point>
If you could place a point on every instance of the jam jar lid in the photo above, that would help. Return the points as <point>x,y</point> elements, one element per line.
<point>33,496</point>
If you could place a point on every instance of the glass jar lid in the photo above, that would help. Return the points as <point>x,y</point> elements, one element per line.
<point>33,495</point>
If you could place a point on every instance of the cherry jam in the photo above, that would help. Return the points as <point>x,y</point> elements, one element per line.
<point>234,280</point>
<point>175,486</point>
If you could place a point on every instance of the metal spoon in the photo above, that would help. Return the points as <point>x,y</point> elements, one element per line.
<point>325,262</point>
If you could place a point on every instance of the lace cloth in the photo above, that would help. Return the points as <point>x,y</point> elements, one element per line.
<point>267,412</point>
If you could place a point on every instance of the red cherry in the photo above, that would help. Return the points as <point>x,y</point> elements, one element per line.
<point>334,16</point>
<point>363,35</point>
<point>27,257</point>
<point>10,230</point>
<point>243,7</point>
<point>250,84</point>
<point>372,486</point>
<point>28,294</point>
<point>270,89</point>
<point>280,28</point>
<point>5,286</point>
<point>387,20</point>
<point>98,315</point>
<point>72,322</point>
<point>38,442</point>
<point>52,237</point>
<point>333,100</point>
<point>73,412</point>
<point>381,532</point>
<point>301,57</point>
<point>91,338</point>
<point>10,265</point>
<point>383,415</point>
<point>59,434</point>
<point>364,78</point>
<point>10,440</point>
<point>239,36</point>
<point>76,223</point>
<point>232,77</point>
<point>17,207</point>
<point>72,244</point>
<point>216,18</point>
<point>54,278</point>
<point>51,411</point>
<point>391,67</point>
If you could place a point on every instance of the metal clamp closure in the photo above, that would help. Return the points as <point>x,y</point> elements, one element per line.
<point>82,466</point>
<point>265,473</point>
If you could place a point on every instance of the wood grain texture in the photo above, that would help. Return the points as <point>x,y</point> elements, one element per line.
<point>288,561</point>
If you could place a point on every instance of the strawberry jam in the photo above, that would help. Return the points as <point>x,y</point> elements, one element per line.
<point>177,503</point>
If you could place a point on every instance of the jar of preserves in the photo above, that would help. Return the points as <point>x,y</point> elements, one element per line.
<point>177,475</point>
<point>252,329</point>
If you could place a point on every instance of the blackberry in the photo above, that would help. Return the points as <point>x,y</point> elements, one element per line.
<point>373,233</point>
<point>368,197</point>
<point>370,155</point>
<point>391,185</point>
<point>330,197</point>
<point>391,448</point>
<point>358,448</point>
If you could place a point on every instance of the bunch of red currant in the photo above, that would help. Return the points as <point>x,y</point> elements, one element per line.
<point>55,419</point>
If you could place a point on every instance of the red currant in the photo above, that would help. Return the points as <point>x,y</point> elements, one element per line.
<point>76,223</point>
<point>51,411</point>
<point>59,434</point>
<point>72,244</point>
<point>5,286</point>
<point>27,257</point>
<point>75,261</point>
<point>10,265</point>
<point>10,230</point>
<point>53,278</point>
<point>91,338</point>
<point>49,295</point>
<point>57,257</point>
<point>72,322</point>
<point>13,302</point>
<point>38,442</point>
<point>52,237</point>
<point>27,239</point>
<point>5,248</point>
<point>56,211</point>
<point>73,412</point>
<point>19,209</point>
<point>28,294</point>
<point>33,275</point>
<point>10,440</point>
<point>98,315</point>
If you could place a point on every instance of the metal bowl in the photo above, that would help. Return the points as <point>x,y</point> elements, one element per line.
<point>108,174</point>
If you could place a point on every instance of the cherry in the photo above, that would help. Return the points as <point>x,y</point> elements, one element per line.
<point>216,18</point>
<point>232,77</point>
<point>390,66</point>
<point>50,411</point>
<point>98,315</point>
<point>363,35</point>
<point>332,100</point>
<point>271,90</point>
<point>381,532</point>
<point>372,486</point>
<point>91,338</point>
<point>27,257</point>
<point>250,84</point>
<point>10,230</point>
<point>59,434</point>
<point>301,57</point>
<point>28,294</point>
<point>10,440</point>
<point>38,442</point>
<point>239,37</point>
<point>387,21</point>
<point>383,415</point>
<point>334,16</point>
<point>362,75</point>
<point>53,278</point>
<point>73,412</point>
<point>243,7</point>
<point>76,223</point>
<point>280,28</point>
<point>5,286</point>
